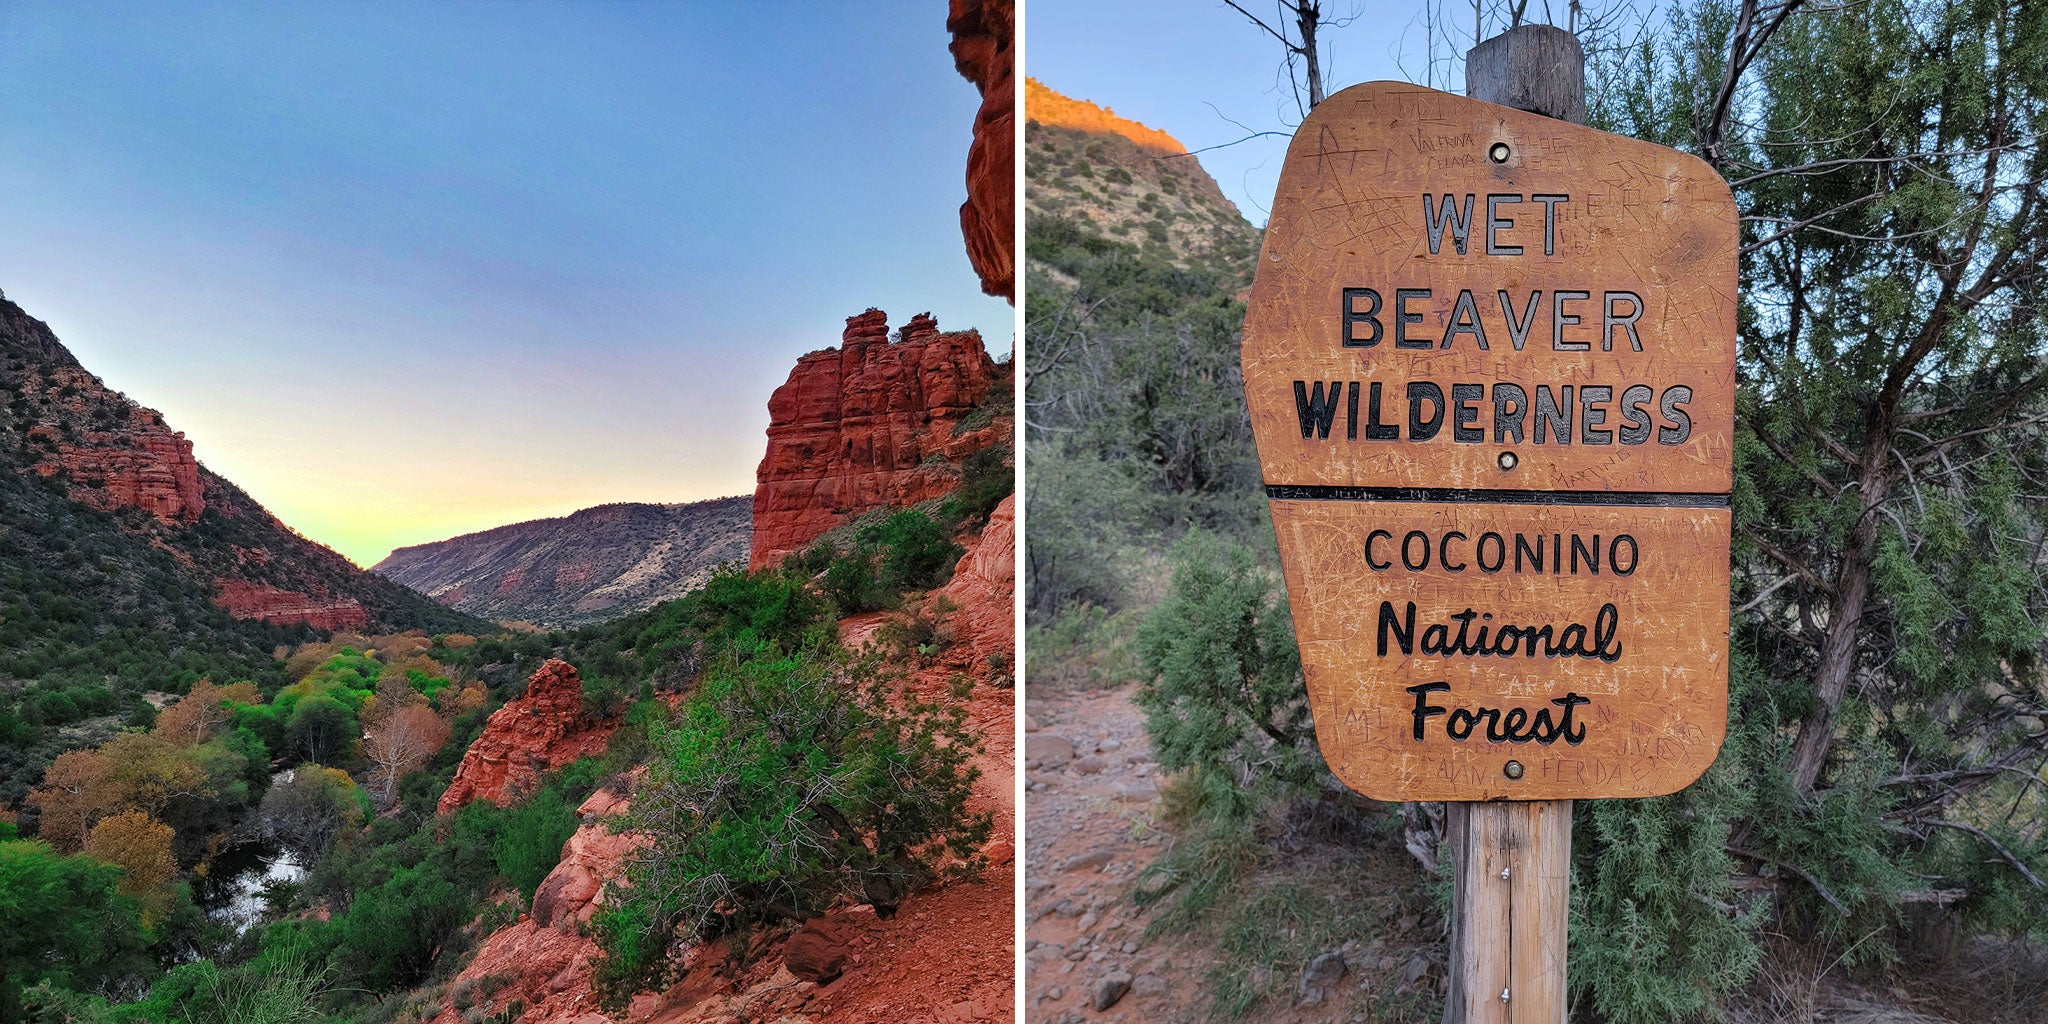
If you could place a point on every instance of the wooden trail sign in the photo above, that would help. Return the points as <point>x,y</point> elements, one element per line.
<point>1490,363</point>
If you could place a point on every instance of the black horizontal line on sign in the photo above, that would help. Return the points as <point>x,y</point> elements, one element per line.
<point>1454,495</point>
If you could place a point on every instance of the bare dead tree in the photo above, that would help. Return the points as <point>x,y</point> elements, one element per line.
<point>1303,62</point>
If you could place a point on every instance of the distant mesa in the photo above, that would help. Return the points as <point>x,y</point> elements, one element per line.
<point>1049,107</point>
<point>873,424</point>
<point>589,566</point>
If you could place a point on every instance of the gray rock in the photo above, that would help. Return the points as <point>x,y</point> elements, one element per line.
<point>1045,750</point>
<point>1316,979</point>
<point>1153,884</point>
<point>1089,765</point>
<point>1137,792</point>
<point>1258,978</point>
<point>1148,985</point>
<point>1091,859</point>
<point>1108,989</point>
<point>1108,745</point>
<point>1419,967</point>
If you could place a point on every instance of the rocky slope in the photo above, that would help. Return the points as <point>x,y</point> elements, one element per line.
<point>984,37</point>
<point>873,424</point>
<point>945,956</point>
<point>596,564</point>
<point>1125,182</point>
<point>94,448</point>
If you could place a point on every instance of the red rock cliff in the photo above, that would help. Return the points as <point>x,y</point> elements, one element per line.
<point>104,451</point>
<point>870,424</point>
<point>984,37</point>
<point>537,732</point>
<point>245,600</point>
<point>142,463</point>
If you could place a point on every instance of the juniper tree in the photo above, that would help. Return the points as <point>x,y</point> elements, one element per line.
<point>1887,728</point>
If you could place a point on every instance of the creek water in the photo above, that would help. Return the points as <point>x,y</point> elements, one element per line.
<point>234,896</point>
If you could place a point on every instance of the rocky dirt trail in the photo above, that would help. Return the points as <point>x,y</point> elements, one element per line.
<point>1093,810</point>
<point>1092,800</point>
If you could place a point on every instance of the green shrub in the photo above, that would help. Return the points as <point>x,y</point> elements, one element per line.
<point>530,838</point>
<point>1224,695</point>
<point>985,480</point>
<point>783,789</point>
<point>916,553</point>
<point>854,585</point>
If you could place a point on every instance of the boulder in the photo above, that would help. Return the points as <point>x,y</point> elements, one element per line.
<point>819,950</point>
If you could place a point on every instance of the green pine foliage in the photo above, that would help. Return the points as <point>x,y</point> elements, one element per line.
<point>66,925</point>
<point>908,550</point>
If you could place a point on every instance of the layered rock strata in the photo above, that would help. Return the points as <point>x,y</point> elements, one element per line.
<point>871,424</point>
<point>245,600</point>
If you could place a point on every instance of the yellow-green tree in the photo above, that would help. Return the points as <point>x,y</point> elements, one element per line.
<point>141,847</point>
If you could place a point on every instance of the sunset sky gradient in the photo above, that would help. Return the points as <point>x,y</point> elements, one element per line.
<point>406,272</point>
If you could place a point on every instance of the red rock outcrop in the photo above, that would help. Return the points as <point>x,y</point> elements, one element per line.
<point>592,857</point>
<point>984,585</point>
<point>537,732</point>
<point>245,600</point>
<point>818,950</point>
<point>984,40</point>
<point>544,960</point>
<point>946,955</point>
<point>870,424</point>
<point>144,464</point>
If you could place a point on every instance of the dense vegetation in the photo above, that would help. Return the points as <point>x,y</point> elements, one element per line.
<point>1881,783</point>
<point>792,779</point>
<point>867,788</point>
<point>99,609</point>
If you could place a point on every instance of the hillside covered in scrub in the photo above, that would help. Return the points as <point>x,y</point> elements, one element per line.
<point>129,571</point>
<point>591,565</point>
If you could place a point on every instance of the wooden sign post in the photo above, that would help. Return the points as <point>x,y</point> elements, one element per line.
<point>1490,364</point>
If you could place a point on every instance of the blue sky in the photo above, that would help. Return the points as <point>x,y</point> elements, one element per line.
<point>407,271</point>
<point>1191,67</point>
